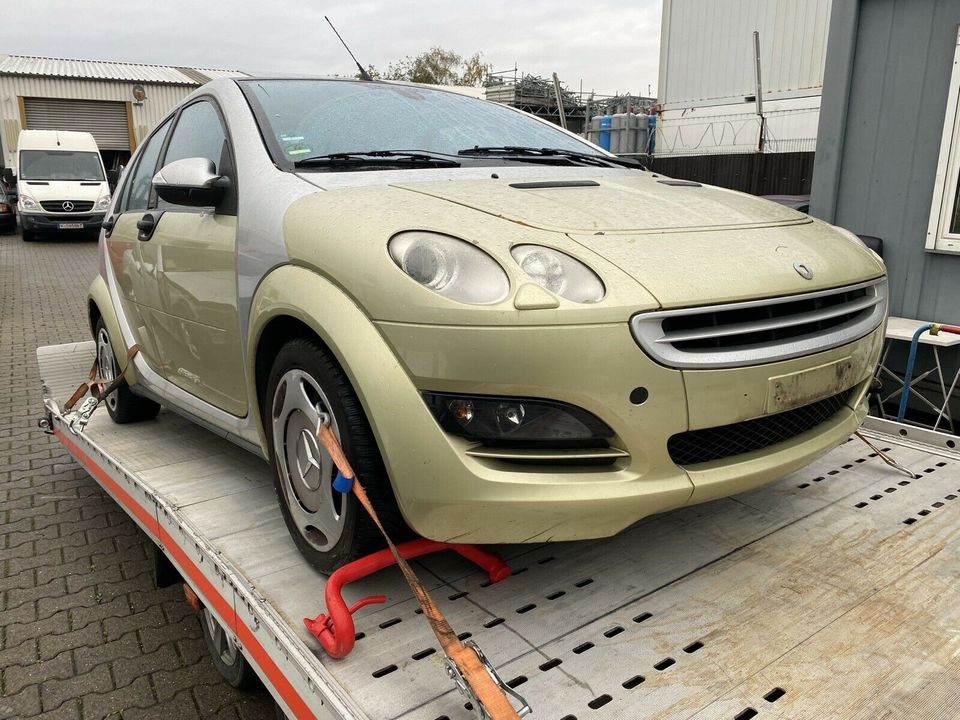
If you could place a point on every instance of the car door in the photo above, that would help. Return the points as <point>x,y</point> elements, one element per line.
<point>189,257</point>
<point>123,248</point>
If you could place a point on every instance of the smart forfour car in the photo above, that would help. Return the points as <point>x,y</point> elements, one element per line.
<point>519,337</point>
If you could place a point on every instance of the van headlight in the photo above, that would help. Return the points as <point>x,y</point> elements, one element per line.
<point>103,203</point>
<point>28,203</point>
<point>450,267</point>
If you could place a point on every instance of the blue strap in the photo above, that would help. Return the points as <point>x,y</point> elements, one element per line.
<point>342,484</point>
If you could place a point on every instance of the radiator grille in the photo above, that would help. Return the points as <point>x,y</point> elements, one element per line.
<point>759,331</point>
<point>57,206</point>
<point>716,443</point>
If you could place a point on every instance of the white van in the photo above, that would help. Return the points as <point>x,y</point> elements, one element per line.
<point>61,182</point>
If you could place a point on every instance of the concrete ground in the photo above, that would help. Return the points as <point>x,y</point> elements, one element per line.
<point>83,631</point>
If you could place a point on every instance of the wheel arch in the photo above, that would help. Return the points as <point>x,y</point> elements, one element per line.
<point>293,302</point>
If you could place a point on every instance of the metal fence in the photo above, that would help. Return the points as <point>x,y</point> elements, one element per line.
<point>756,173</point>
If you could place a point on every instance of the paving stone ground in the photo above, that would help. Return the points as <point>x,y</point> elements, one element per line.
<point>83,631</point>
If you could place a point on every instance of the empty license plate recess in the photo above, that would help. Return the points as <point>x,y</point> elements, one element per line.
<point>785,392</point>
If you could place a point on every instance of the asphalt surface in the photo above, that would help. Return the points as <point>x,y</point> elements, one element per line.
<point>84,633</point>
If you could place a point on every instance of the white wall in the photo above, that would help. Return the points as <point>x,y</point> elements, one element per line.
<point>707,71</point>
<point>160,100</point>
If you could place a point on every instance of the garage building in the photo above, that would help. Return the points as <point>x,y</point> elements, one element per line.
<point>118,102</point>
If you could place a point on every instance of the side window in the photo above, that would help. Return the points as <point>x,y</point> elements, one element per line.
<point>199,133</point>
<point>140,182</point>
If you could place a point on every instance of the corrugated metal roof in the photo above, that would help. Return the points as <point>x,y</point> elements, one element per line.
<point>104,70</point>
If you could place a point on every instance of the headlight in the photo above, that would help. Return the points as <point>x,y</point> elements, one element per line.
<point>28,203</point>
<point>103,203</point>
<point>453,268</point>
<point>559,273</point>
<point>487,418</point>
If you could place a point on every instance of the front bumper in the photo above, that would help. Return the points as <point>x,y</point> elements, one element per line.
<point>51,222</point>
<point>447,491</point>
<point>8,221</point>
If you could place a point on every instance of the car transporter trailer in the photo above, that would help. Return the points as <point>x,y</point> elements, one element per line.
<point>832,593</point>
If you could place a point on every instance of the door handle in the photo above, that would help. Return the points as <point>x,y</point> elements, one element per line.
<point>147,224</point>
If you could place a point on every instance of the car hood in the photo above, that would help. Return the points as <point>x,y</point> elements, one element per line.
<point>62,189</point>
<point>685,243</point>
<point>645,203</point>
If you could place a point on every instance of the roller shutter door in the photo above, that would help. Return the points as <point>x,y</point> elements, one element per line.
<point>106,120</point>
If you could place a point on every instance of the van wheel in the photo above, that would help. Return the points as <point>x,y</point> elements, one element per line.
<point>123,405</point>
<point>28,235</point>
<point>329,528</point>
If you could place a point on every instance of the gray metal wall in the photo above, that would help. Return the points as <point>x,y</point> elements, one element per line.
<point>884,97</point>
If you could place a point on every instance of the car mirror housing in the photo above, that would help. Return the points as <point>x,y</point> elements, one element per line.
<point>191,181</point>
<point>9,176</point>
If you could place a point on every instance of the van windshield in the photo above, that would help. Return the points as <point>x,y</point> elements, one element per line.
<point>59,165</point>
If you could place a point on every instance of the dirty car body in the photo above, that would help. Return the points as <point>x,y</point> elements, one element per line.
<point>515,344</point>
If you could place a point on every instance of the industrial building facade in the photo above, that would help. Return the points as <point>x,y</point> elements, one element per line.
<point>119,103</point>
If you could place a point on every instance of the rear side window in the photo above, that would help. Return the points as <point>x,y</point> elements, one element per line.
<point>142,178</point>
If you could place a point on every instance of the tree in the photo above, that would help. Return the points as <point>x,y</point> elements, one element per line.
<point>436,66</point>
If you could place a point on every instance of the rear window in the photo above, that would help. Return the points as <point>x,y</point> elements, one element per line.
<point>60,165</point>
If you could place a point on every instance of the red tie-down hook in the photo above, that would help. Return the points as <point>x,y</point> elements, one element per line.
<point>335,630</point>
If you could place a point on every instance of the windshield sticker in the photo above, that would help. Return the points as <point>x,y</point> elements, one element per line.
<point>289,138</point>
<point>296,149</point>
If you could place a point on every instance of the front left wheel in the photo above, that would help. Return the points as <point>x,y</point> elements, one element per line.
<point>329,528</point>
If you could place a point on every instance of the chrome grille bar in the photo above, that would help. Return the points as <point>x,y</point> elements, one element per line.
<point>754,333</point>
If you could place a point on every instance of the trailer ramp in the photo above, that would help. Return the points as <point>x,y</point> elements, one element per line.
<point>832,593</point>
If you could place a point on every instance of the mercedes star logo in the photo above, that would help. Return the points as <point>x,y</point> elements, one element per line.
<point>803,270</point>
<point>68,206</point>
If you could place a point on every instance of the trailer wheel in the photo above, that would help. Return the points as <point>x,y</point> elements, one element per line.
<point>226,656</point>
<point>329,528</point>
<point>123,405</point>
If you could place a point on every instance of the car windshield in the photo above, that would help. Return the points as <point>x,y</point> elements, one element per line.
<point>59,165</point>
<point>310,118</point>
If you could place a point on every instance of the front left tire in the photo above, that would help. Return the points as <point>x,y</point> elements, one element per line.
<point>329,528</point>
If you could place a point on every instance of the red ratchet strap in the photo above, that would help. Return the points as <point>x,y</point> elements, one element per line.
<point>466,657</point>
<point>99,387</point>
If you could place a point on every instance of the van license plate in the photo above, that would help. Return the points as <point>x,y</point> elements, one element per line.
<point>70,226</point>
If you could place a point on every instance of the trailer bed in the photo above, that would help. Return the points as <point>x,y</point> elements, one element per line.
<point>830,593</point>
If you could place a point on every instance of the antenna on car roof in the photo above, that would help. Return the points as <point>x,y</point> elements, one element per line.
<point>364,75</point>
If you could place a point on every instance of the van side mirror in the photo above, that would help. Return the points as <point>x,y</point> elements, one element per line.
<point>9,176</point>
<point>192,181</point>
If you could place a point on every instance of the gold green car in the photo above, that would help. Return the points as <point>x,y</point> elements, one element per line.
<point>519,337</point>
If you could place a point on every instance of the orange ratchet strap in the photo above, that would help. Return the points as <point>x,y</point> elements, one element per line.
<point>99,387</point>
<point>470,671</point>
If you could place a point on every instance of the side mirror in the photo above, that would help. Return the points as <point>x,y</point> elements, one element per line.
<point>9,176</point>
<point>191,181</point>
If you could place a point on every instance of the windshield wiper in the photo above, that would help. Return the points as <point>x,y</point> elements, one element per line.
<point>532,154</point>
<point>377,157</point>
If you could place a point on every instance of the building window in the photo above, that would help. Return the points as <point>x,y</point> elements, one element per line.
<point>943,230</point>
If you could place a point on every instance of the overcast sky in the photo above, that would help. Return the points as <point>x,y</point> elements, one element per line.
<point>610,45</point>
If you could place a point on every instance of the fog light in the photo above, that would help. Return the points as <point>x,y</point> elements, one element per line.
<point>510,415</point>
<point>524,420</point>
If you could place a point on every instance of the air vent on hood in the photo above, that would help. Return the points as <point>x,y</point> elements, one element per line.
<point>554,184</point>
<point>761,331</point>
